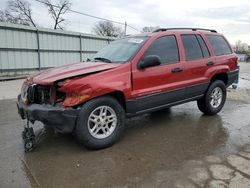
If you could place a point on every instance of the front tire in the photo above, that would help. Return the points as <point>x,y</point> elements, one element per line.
<point>214,99</point>
<point>100,123</point>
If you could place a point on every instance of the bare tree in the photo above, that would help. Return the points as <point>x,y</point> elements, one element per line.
<point>149,29</point>
<point>107,28</point>
<point>2,16</point>
<point>6,16</point>
<point>19,11</point>
<point>57,11</point>
<point>241,47</point>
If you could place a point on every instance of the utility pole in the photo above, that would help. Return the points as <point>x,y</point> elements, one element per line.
<point>125,29</point>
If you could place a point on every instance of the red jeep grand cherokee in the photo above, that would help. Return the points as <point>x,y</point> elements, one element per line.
<point>130,76</point>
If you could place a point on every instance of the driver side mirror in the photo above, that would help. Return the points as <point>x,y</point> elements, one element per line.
<point>149,61</point>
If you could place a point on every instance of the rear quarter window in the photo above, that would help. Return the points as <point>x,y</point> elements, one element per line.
<point>219,44</point>
<point>203,46</point>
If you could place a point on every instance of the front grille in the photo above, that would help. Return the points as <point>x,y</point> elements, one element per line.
<point>42,94</point>
<point>31,93</point>
<point>38,94</point>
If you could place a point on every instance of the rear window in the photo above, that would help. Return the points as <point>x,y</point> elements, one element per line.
<point>219,44</point>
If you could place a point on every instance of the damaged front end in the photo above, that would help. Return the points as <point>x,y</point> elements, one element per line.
<point>44,104</point>
<point>54,97</point>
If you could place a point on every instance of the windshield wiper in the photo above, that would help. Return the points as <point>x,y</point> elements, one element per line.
<point>103,59</point>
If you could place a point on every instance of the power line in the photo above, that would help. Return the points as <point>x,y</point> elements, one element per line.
<point>89,15</point>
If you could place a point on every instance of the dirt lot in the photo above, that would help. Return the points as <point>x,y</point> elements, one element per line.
<point>176,148</point>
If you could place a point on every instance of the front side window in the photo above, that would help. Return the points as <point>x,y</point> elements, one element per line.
<point>166,48</point>
<point>121,50</point>
<point>192,47</point>
<point>219,44</point>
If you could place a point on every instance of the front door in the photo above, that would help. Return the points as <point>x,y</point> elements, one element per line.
<point>163,84</point>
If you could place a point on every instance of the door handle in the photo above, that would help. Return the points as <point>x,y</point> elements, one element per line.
<point>176,70</point>
<point>210,63</point>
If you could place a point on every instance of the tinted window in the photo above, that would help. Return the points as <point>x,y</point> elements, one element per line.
<point>166,48</point>
<point>219,45</point>
<point>192,47</point>
<point>203,46</point>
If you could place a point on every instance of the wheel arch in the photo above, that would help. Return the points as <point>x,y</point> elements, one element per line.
<point>220,76</point>
<point>119,96</point>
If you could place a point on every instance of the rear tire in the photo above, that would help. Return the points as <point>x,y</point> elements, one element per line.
<point>100,123</point>
<point>214,99</point>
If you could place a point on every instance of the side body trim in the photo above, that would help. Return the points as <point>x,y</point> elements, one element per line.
<point>165,99</point>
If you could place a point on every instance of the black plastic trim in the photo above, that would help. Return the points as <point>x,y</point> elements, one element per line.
<point>164,106</point>
<point>232,76</point>
<point>184,28</point>
<point>165,99</point>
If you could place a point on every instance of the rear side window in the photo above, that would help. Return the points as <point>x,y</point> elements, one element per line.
<point>192,47</point>
<point>166,48</point>
<point>219,44</point>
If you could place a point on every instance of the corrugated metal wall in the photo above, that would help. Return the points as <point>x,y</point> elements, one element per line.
<point>26,49</point>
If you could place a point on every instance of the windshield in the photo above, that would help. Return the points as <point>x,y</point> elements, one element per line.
<point>120,51</point>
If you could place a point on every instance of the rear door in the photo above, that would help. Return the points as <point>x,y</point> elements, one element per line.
<point>198,59</point>
<point>159,85</point>
<point>222,50</point>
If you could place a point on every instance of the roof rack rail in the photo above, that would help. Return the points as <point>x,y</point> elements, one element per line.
<point>184,28</point>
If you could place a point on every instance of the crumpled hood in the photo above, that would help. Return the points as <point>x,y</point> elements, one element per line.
<point>49,76</point>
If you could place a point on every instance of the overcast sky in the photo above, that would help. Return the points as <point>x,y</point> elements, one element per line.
<point>230,17</point>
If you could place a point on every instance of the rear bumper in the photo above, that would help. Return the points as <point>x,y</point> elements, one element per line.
<point>232,77</point>
<point>63,120</point>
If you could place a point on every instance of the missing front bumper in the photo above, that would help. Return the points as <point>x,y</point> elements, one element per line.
<point>63,120</point>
